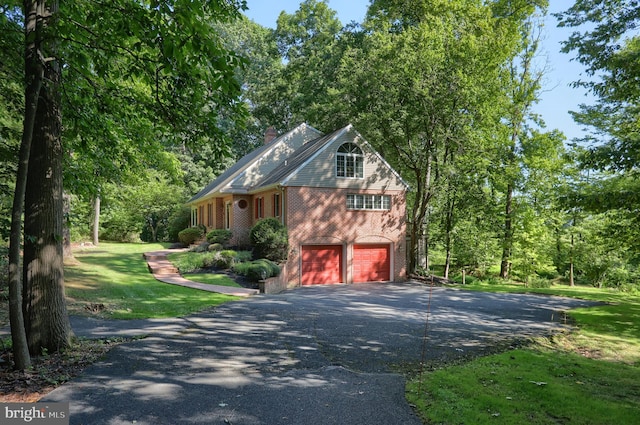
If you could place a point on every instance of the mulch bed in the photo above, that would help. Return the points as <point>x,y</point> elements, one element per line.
<point>49,371</point>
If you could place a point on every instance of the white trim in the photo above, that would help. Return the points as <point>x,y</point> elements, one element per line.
<point>358,135</point>
<point>318,152</point>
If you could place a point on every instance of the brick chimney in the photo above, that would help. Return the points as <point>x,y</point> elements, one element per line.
<point>270,134</point>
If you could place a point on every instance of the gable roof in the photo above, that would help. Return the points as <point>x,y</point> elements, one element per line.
<point>299,158</point>
<point>225,180</point>
<point>281,169</point>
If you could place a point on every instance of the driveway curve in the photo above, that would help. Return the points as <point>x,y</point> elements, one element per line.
<point>313,355</point>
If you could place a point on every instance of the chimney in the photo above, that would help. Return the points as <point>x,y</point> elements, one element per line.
<point>270,134</point>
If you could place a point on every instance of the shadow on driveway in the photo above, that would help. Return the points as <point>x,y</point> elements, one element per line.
<point>313,355</point>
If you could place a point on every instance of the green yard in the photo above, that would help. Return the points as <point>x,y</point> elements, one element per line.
<point>587,377</point>
<point>112,280</point>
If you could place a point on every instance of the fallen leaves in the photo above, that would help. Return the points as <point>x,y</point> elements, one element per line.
<point>49,371</point>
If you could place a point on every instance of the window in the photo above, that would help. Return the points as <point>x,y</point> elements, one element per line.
<point>368,202</point>
<point>259,208</point>
<point>276,205</point>
<point>349,161</point>
<point>201,214</point>
<point>227,216</point>
<point>209,215</point>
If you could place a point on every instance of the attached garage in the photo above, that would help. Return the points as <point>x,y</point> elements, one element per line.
<point>321,264</point>
<point>371,263</point>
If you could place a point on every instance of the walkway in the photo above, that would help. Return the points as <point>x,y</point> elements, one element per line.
<point>164,271</point>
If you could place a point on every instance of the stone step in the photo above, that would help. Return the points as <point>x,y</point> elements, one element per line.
<point>163,269</point>
<point>150,257</point>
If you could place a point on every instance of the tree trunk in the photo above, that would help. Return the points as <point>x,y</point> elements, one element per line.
<point>413,249</point>
<point>448,228</point>
<point>571,281</point>
<point>45,313</point>
<point>66,230</point>
<point>96,220</point>
<point>507,242</point>
<point>33,77</point>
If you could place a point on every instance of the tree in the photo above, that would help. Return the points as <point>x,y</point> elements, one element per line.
<point>169,50</point>
<point>306,45</point>
<point>142,208</point>
<point>523,83</point>
<point>605,41</point>
<point>11,114</point>
<point>422,85</point>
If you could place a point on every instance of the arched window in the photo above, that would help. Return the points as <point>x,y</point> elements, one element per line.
<point>350,161</point>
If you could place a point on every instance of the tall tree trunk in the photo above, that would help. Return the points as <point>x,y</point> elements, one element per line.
<point>571,281</point>
<point>45,313</point>
<point>33,78</point>
<point>96,220</point>
<point>507,242</point>
<point>419,214</point>
<point>448,228</point>
<point>66,230</point>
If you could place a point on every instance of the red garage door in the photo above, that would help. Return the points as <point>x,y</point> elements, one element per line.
<point>321,264</point>
<point>371,263</point>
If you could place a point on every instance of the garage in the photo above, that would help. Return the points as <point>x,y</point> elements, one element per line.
<point>321,264</point>
<point>371,263</point>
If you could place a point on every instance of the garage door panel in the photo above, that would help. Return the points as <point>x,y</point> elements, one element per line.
<point>321,264</point>
<point>371,263</point>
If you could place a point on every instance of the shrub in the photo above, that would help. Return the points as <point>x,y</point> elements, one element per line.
<point>188,262</point>
<point>215,247</point>
<point>190,235</point>
<point>257,270</point>
<point>219,236</point>
<point>244,256</point>
<point>536,281</point>
<point>202,247</point>
<point>178,221</point>
<point>225,259</point>
<point>270,240</point>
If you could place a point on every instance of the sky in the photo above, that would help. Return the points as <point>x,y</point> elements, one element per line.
<point>557,97</point>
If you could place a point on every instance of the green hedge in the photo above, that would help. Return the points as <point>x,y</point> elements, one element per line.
<point>258,269</point>
<point>221,236</point>
<point>270,240</point>
<point>190,235</point>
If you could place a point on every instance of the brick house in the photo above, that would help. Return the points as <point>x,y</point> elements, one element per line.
<point>342,203</point>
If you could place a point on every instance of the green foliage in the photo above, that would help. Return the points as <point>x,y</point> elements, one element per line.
<point>142,209</point>
<point>215,247</point>
<point>189,262</point>
<point>179,220</point>
<point>258,269</point>
<point>270,240</point>
<point>219,236</point>
<point>4,266</point>
<point>117,276</point>
<point>11,110</point>
<point>535,281</point>
<point>190,235</point>
<point>225,259</point>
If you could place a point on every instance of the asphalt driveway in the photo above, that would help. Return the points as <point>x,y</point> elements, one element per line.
<point>313,355</point>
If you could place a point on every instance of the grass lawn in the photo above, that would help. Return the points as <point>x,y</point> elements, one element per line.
<point>590,376</point>
<point>115,275</point>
